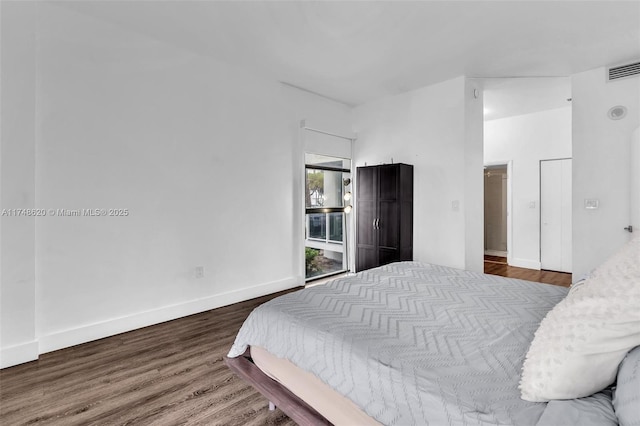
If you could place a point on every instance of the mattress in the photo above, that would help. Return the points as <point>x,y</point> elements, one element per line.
<point>336,408</point>
<point>412,343</point>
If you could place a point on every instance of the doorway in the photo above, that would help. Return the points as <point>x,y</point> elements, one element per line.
<point>496,179</point>
<point>526,120</point>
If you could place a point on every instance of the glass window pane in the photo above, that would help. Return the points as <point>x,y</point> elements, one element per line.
<point>335,226</point>
<point>326,161</point>
<point>325,188</point>
<point>315,188</point>
<point>317,225</point>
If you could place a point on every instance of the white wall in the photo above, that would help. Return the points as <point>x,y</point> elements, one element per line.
<point>525,140</point>
<point>634,210</point>
<point>17,186</point>
<point>601,166</point>
<point>473,176</point>
<point>437,129</point>
<point>201,153</point>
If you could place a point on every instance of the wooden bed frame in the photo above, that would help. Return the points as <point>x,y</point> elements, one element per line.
<point>278,395</point>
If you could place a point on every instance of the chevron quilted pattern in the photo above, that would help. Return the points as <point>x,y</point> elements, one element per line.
<point>412,343</point>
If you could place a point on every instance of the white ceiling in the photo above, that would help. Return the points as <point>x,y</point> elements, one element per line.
<point>359,51</point>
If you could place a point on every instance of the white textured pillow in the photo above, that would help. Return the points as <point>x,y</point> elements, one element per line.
<point>626,396</point>
<point>582,340</point>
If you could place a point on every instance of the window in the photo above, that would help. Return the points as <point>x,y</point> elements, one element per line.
<point>327,180</point>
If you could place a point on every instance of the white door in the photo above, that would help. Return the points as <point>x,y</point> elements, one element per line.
<point>555,215</point>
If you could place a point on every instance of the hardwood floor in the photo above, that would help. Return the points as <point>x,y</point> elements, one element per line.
<point>495,265</point>
<point>167,374</point>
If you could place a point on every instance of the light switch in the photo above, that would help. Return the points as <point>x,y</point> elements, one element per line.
<point>455,205</point>
<point>532,204</point>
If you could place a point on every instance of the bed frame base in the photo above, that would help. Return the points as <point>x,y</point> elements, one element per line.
<point>278,395</point>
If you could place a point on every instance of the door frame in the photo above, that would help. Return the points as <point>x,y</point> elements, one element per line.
<point>509,164</point>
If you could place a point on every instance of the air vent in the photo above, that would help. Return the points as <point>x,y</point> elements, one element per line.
<point>623,71</point>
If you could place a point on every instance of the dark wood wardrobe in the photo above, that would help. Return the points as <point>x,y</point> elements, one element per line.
<point>384,222</point>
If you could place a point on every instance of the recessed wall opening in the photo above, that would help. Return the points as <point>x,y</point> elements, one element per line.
<point>495,210</point>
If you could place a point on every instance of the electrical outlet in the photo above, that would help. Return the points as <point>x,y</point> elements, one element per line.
<point>199,272</point>
<point>591,203</point>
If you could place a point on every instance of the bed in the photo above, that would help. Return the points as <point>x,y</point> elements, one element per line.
<point>406,344</point>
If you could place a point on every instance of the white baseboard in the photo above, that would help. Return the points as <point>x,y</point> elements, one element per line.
<point>18,354</point>
<point>76,336</point>
<point>525,263</point>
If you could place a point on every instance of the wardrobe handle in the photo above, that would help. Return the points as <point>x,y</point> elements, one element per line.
<point>378,223</point>
<point>374,223</point>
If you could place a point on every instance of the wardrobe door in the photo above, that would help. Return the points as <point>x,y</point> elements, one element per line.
<point>388,215</point>
<point>366,232</point>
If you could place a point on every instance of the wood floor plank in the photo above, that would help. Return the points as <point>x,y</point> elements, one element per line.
<point>498,266</point>
<point>167,374</point>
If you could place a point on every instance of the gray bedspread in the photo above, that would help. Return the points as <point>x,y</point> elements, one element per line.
<point>412,343</point>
